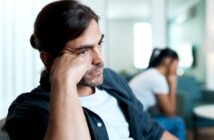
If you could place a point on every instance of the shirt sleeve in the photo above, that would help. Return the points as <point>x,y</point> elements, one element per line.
<point>160,85</point>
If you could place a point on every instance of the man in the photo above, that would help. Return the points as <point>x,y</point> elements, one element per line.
<point>77,99</point>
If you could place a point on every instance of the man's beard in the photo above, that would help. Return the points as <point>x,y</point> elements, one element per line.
<point>93,77</point>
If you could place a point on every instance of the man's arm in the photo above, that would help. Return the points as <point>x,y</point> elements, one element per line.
<point>67,120</point>
<point>66,117</point>
<point>167,136</point>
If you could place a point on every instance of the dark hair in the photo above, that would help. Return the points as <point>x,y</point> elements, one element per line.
<point>59,22</point>
<point>158,55</point>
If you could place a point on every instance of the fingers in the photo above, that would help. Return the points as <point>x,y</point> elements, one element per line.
<point>65,52</point>
<point>71,65</point>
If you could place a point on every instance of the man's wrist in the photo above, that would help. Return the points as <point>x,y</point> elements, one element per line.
<point>63,84</point>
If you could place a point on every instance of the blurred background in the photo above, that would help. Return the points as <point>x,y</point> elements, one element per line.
<point>132,29</point>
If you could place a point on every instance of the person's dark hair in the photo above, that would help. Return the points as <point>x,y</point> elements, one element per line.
<point>59,22</point>
<point>158,56</point>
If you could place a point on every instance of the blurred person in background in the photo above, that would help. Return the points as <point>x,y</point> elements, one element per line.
<point>156,89</point>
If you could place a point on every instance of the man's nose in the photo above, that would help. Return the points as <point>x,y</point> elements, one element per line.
<point>97,56</point>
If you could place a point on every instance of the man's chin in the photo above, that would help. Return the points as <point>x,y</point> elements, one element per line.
<point>91,83</point>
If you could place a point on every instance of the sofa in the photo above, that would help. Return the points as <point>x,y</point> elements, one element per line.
<point>189,95</point>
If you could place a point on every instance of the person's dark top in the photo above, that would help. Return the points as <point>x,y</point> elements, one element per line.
<point>27,118</point>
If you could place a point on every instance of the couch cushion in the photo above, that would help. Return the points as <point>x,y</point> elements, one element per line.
<point>189,85</point>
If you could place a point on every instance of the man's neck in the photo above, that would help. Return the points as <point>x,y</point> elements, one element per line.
<point>85,91</point>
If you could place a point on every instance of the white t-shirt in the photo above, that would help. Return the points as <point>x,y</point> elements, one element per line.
<point>108,109</point>
<point>147,84</point>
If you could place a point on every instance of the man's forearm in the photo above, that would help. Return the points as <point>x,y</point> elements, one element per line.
<point>66,117</point>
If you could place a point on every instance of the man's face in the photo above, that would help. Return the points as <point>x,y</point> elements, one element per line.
<point>89,44</point>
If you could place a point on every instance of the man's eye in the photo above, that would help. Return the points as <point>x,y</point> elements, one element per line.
<point>82,52</point>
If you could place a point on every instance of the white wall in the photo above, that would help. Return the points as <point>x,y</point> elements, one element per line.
<point>192,31</point>
<point>19,64</point>
<point>209,44</point>
<point>120,43</point>
<point>159,23</point>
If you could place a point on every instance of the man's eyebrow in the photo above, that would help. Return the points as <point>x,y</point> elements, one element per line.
<point>82,47</point>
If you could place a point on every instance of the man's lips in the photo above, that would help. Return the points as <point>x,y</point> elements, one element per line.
<point>96,71</point>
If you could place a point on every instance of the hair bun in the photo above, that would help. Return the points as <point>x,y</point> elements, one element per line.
<point>33,41</point>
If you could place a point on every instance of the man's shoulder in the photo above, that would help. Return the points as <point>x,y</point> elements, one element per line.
<point>28,115</point>
<point>28,102</point>
<point>110,74</point>
<point>114,82</point>
<point>113,79</point>
<point>108,71</point>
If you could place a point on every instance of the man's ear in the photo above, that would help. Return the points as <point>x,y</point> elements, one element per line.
<point>47,59</point>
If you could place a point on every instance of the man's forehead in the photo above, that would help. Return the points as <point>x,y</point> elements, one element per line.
<point>91,35</point>
<point>85,41</point>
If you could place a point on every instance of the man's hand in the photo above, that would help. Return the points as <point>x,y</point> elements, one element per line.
<point>70,67</point>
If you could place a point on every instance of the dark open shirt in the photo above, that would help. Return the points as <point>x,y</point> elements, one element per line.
<point>27,118</point>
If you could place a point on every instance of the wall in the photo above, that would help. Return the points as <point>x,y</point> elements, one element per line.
<point>120,43</point>
<point>20,65</point>
<point>209,44</point>
<point>191,31</point>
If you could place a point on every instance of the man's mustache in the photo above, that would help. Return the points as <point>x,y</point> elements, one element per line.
<point>96,67</point>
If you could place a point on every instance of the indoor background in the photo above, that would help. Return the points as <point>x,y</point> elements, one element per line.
<point>132,29</point>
